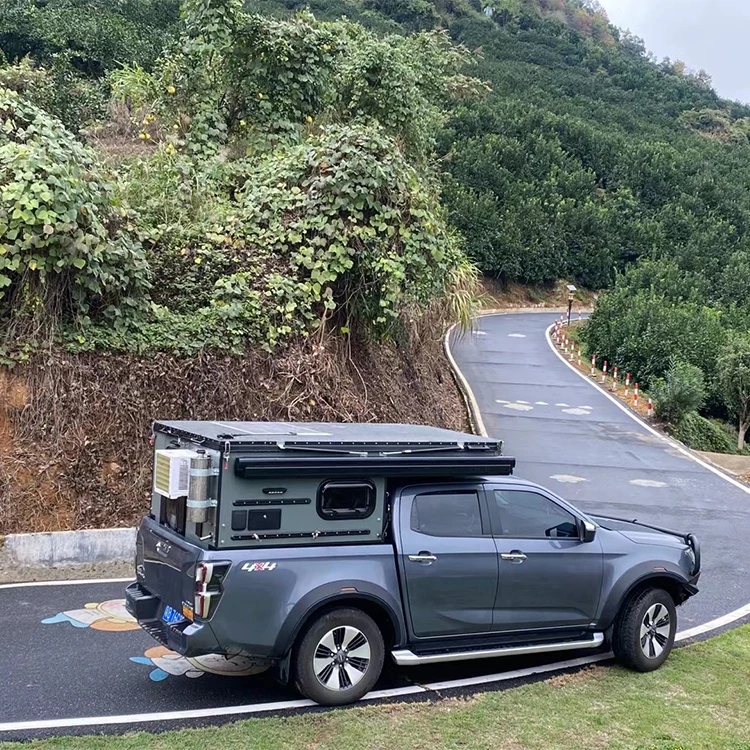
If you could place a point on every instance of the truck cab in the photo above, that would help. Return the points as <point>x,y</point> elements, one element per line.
<point>321,549</point>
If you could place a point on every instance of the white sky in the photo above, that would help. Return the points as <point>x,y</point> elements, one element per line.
<point>709,34</point>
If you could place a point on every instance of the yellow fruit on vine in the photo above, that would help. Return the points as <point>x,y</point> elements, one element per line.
<point>198,260</point>
<point>260,96</point>
<point>142,136</point>
<point>175,127</point>
<point>308,119</point>
<point>171,89</point>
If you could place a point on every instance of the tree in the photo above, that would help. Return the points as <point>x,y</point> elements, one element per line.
<point>734,377</point>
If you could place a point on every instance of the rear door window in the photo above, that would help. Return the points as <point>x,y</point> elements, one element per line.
<point>447,514</point>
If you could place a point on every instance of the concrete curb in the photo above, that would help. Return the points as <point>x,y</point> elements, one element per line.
<point>472,407</point>
<point>67,548</point>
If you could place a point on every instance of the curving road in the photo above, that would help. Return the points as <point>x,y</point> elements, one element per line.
<point>73,662</point>
<point>569,435</point>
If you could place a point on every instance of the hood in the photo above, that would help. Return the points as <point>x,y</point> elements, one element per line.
<point>641,535</point>
<point>652,537</point>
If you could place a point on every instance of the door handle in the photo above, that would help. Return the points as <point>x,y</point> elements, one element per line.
<point>514,557</point>
<point>423,557</point>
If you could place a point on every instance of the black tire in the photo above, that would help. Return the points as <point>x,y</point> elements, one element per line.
<point>334,633</point>
<point>644,632</point>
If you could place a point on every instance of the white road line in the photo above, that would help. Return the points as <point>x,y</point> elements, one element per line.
<point>719,622</point>
<point>677,446</point>
<point>196,713</point>
<point>65,583</point>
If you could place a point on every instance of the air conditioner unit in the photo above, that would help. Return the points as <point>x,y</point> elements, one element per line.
<point>172,472</point>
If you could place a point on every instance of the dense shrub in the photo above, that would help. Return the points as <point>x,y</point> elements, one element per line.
<point>65,248</point>
<point>702,434</point>
<point>61,91</point>
<point>339,227</point>
<point>679,393</point>
<point>100,34</point>
<point>274,190</point>
<point>641,329</point>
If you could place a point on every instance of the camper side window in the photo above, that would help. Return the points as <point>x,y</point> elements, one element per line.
<point>346,500</point>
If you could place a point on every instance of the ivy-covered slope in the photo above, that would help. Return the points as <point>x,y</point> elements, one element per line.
<point>281,182</point>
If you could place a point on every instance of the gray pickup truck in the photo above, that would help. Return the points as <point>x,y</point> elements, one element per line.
<point>318,549</point>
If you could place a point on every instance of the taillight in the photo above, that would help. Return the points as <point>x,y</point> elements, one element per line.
<point>203,574</point>
<point>208,578</point>
<point>202,603</point>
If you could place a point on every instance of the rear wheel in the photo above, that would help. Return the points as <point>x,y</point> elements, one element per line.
<point>645,629</point>
<point>339,658</point>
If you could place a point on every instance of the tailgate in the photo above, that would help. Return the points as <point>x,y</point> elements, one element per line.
<point>165,564</point>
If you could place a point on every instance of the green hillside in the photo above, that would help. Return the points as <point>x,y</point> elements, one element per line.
<point>590,160</point>
<point>581,157</point>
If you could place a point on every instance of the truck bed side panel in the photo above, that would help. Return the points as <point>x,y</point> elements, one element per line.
<point>268,593</point>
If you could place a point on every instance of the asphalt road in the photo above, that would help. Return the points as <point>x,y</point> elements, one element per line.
<point>70,652</point>
<point>568,436</point>
<point>73,654</point>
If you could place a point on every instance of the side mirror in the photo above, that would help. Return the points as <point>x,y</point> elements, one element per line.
<point>588,533</point>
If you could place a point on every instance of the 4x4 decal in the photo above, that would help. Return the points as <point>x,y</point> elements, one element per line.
<point>258,566</point>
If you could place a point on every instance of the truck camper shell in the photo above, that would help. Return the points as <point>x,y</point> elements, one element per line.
<point>258,484</point>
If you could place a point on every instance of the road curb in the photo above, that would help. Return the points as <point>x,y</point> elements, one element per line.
<point>472,407</point>
<point>57,548</point>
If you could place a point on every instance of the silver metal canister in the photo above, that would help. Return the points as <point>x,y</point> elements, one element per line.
<point>198,503</point>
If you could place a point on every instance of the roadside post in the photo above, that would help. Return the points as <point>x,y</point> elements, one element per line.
<point>571,289</point>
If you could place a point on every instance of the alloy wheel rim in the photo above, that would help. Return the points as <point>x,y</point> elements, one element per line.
<point>341,658</point>
<point>655,628</point>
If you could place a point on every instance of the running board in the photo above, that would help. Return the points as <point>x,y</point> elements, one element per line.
<point>407,658</point>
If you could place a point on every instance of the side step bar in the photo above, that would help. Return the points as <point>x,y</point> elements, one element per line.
<point>407,658</point>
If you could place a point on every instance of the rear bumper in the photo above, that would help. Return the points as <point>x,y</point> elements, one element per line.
<point>186,638</point>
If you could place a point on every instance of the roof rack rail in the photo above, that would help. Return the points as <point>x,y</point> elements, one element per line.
<point>400,465</point>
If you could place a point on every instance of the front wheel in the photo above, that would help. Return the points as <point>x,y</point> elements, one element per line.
<point>340,657</point>
<point>645,629</point>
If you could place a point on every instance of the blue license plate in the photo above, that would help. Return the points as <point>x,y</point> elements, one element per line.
<point>171,615</point>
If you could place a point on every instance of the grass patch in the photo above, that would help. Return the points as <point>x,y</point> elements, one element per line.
<point>699,699</point>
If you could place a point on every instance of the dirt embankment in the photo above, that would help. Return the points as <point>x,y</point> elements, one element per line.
<point>74,429</point>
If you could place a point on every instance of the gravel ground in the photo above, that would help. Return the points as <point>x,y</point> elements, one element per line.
<point>67,572</point>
